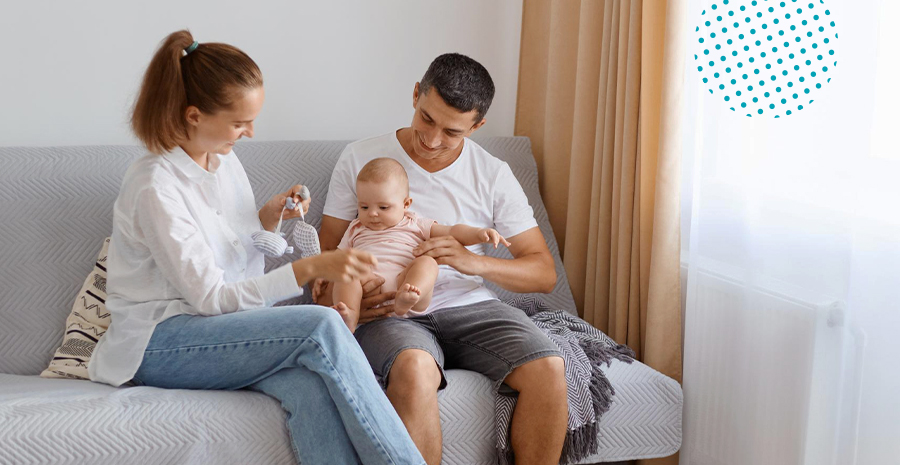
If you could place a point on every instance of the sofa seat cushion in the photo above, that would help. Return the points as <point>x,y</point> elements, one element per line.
<point>70,421</point>
<point>644,420</point>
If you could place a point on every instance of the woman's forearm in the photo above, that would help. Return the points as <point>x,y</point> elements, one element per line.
<point>303,270</point>
<point>267,220</point>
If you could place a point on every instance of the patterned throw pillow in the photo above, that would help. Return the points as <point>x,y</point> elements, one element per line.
<point>84,326</point>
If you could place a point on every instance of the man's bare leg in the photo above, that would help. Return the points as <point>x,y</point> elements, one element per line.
<point>412,389</point>
<point>540,420</point>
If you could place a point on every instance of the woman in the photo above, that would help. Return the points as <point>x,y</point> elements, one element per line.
<point>191,307</point>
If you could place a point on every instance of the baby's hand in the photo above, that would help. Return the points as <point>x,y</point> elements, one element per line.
<point>490,235</point>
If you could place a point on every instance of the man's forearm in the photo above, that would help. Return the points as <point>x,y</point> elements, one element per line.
<point>331,232</point>
<point>529,273</point>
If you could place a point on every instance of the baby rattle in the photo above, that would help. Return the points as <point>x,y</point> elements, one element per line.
<point>305,236</point>
<point>274,244</point>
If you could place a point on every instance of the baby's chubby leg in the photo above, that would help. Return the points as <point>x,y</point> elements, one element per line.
<point>347,298</point>
<point>417,285</point>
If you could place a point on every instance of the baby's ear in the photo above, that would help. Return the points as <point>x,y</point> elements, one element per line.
<point>407,202</point>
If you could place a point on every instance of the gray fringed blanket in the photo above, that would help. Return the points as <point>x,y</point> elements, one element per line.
<point>585,350</point>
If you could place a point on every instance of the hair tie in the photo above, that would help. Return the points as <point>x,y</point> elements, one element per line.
<point>191,48</point>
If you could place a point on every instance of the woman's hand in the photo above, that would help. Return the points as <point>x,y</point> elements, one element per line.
<point>336,265</point>
<point>271,211</point>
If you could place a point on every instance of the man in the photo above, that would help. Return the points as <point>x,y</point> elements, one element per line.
<point>453,180</point>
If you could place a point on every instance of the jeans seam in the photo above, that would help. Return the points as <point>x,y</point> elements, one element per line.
<point>481,349</point>
<point>349,392</point>
<point>537,355</point>
<point>437,329</point>
<point>226,344</point>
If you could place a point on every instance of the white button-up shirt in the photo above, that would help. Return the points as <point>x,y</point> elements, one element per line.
<point>180,245</point>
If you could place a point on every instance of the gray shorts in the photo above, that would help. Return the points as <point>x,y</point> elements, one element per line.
<point>488,337</point>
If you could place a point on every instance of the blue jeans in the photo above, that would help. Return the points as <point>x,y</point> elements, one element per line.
<point>304,357</point>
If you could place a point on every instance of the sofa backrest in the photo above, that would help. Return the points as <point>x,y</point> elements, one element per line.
<point>56,208</point>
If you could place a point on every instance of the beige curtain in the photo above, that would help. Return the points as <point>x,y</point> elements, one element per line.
<point>600,97</point>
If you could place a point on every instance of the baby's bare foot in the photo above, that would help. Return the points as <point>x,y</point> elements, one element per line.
<point>350,316</point>
<point>407,297</point>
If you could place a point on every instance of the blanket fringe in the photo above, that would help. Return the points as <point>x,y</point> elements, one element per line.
<point>580,443</point>
<point>583,440</point>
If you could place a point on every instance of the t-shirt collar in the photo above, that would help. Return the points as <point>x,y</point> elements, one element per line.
<point>413,163</point>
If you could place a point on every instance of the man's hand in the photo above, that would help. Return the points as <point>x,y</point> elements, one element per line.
<point>446,250</point>
<point>370,312</point>
<point>321,292</point>
<point>372,297</point>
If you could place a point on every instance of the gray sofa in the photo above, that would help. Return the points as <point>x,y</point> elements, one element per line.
<point>56,208</point>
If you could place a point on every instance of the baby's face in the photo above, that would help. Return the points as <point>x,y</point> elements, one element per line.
<point>381,205</point>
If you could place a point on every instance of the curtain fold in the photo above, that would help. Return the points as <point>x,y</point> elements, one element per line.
<point>600,97</point>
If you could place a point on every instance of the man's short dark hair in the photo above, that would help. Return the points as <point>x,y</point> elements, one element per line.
<point>461,81</point>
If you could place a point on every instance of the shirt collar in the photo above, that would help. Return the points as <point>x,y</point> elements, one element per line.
<point>184,163</point>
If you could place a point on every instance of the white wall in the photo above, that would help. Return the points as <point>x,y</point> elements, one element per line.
<point>333,69</point>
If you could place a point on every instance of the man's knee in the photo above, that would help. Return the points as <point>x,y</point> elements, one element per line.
<point>545,374</point>
<point>413,374</point>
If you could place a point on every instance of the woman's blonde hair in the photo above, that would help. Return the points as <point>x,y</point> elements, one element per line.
<point>209,76</point>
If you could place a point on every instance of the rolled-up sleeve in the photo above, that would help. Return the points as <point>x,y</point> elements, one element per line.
<point>513,214</point>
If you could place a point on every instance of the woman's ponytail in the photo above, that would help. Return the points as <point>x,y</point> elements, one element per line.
<point>209,77</point>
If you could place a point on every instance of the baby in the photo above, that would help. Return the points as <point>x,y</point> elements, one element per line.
<point>388,230</point>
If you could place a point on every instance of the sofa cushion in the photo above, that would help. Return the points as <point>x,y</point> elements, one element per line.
<point>70,421</point>
<point>84,325</point>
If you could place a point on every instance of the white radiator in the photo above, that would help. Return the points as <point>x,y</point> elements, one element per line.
<point>768,375</point>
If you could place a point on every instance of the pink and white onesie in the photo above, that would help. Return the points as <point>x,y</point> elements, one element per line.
<point>392,247</point>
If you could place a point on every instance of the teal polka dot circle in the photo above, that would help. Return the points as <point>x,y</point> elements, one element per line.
<point>766,57</point>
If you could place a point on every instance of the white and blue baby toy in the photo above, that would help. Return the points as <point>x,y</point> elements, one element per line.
<point>274,244</point>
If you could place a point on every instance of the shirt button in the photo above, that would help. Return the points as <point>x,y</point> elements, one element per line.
<point>235,243</point>
<point>218,212</point>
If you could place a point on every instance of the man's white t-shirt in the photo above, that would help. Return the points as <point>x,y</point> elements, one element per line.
<point>478,189</point>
